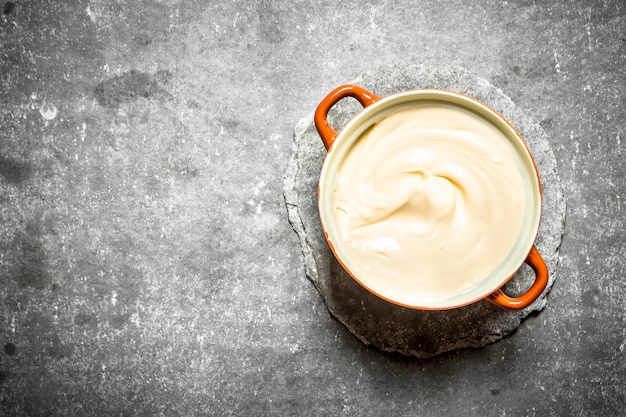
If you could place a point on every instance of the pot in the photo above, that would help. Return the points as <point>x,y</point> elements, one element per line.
<point>430,199</point>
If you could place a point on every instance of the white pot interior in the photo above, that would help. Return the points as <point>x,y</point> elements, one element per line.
<point>407,293</point>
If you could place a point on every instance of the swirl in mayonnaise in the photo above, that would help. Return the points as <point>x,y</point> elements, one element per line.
<point>431,196</point>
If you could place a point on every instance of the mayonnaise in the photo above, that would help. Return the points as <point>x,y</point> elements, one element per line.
<point>430,197</point>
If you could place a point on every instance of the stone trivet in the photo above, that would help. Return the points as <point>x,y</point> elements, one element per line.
<point>377,322</point>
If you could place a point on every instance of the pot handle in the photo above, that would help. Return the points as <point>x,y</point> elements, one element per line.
<point>327,133</point>
<point>536,262</point>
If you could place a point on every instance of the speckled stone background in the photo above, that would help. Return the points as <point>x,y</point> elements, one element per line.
<point>147,264</point>
<point>377,322</point>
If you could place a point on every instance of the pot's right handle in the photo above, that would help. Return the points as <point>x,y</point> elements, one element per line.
<point>327,133</point>
<point>537,263</point>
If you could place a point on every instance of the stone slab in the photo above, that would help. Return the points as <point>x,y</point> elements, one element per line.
<point>377,322</point>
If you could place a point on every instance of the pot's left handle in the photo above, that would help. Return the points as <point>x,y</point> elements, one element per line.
<point>327,133</point>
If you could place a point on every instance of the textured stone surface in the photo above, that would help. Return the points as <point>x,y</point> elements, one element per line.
<point>373,320</point>
<point>147,265</point>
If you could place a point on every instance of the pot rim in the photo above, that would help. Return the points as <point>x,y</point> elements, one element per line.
<point>390,104</point>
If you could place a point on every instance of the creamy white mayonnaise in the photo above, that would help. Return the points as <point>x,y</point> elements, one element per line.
<point>430,197</point>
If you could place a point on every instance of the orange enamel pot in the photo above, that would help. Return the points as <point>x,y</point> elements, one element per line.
<point>339,144</point>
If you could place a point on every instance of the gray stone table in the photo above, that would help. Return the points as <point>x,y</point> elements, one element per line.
<point>147,262</point>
